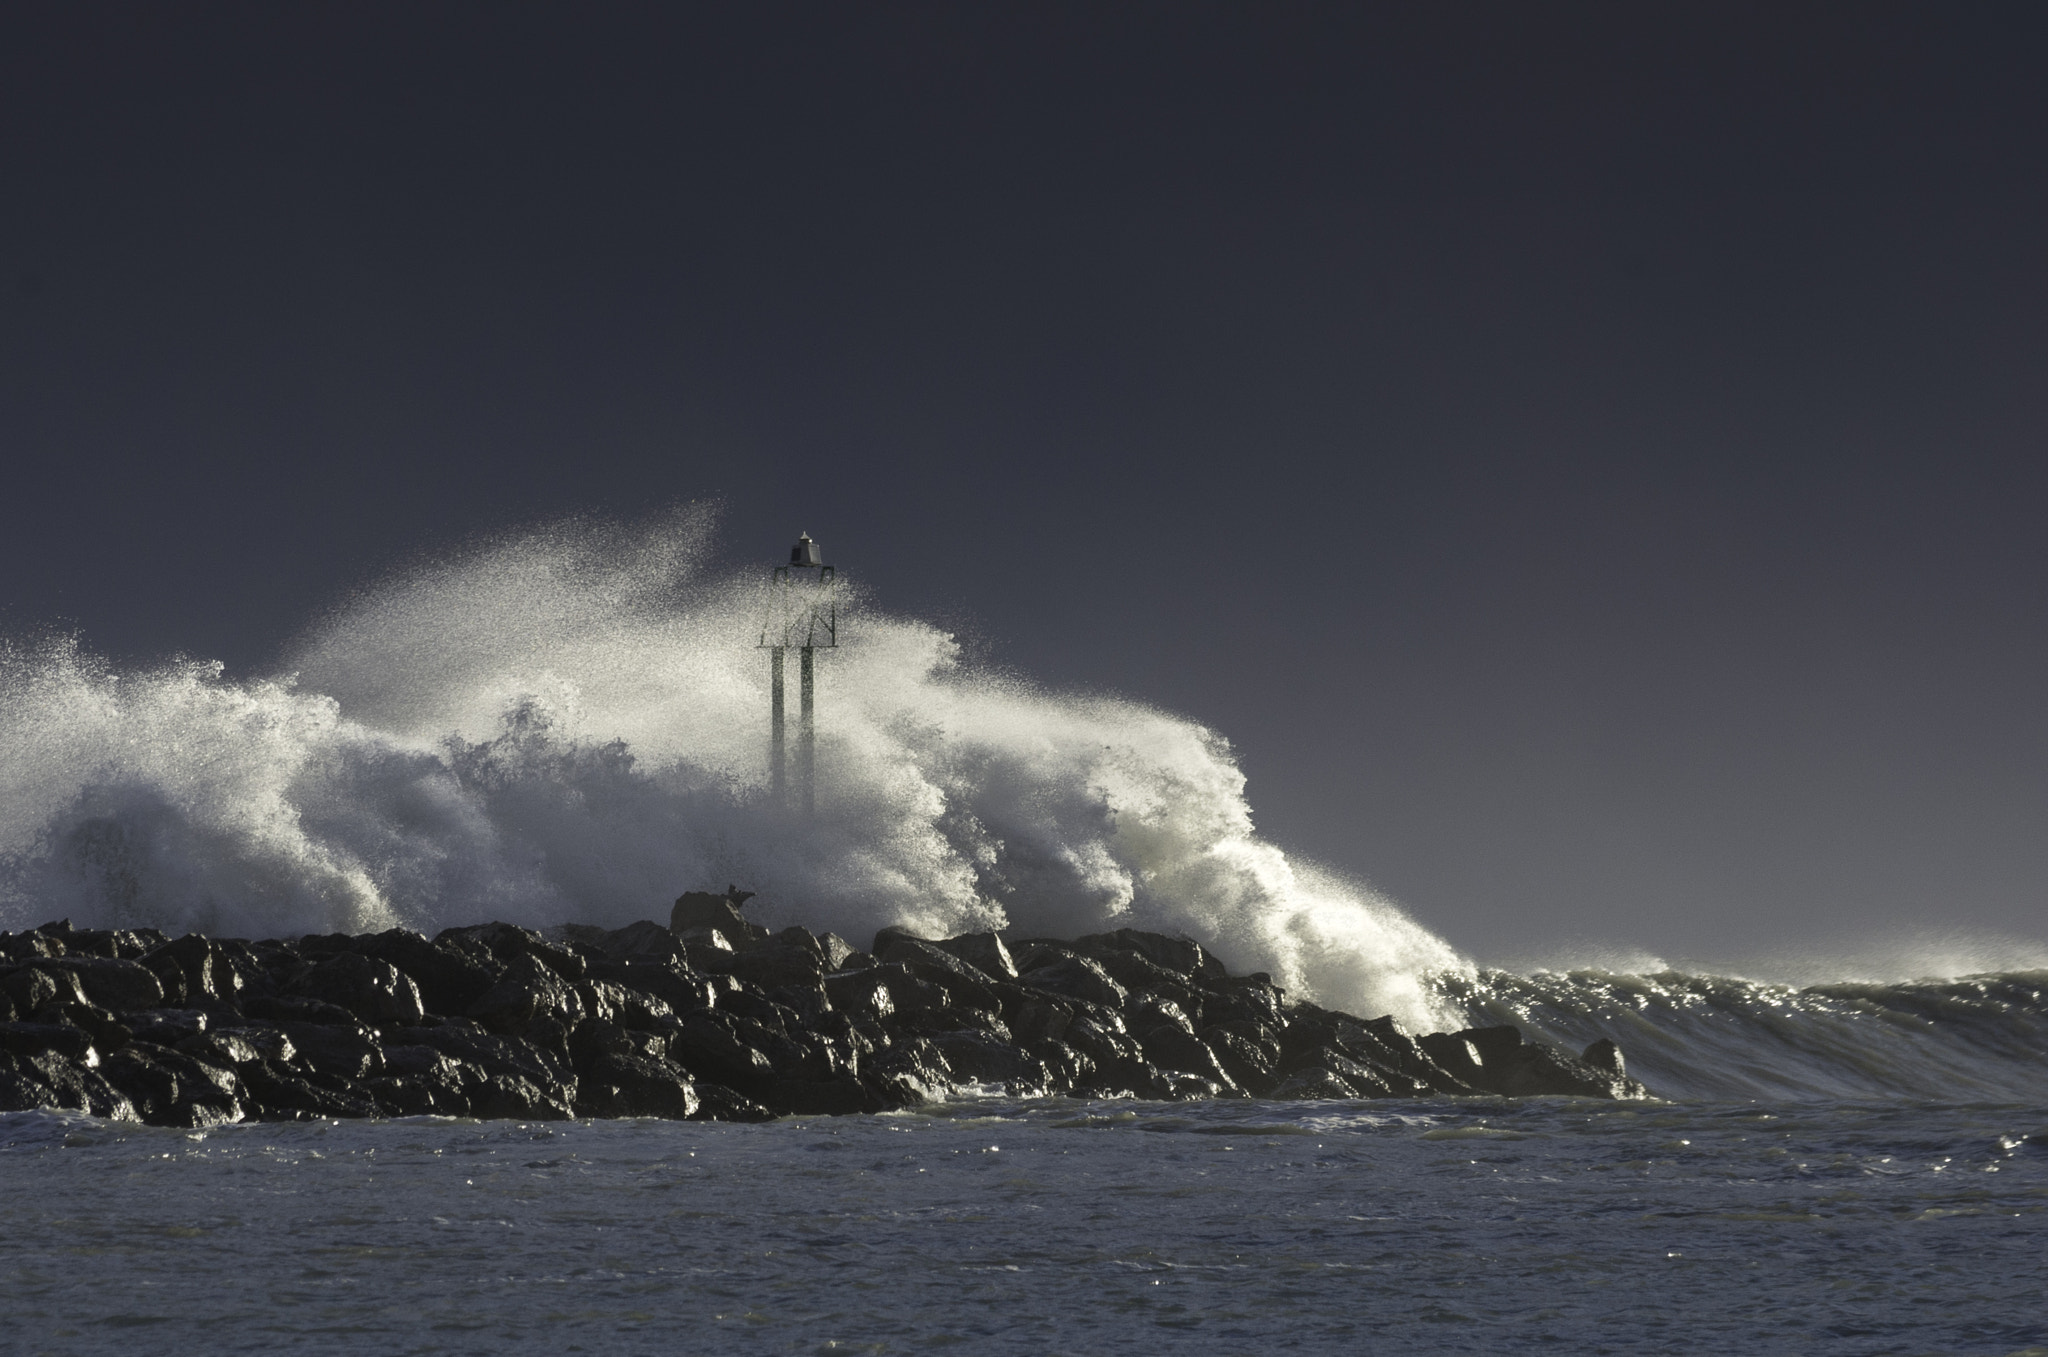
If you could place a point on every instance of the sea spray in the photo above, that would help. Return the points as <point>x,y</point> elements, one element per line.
<point>570,724</point>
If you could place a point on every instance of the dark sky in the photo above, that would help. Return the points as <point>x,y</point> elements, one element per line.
<point>1586,457</point>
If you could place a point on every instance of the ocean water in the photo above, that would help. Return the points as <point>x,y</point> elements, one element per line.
<point>1817,1227</point>
<point>569,725</point>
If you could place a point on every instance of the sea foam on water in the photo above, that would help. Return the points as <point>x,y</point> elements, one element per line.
<point>570,724</point>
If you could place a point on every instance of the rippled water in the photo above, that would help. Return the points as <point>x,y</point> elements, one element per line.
<point>1042,1227</point>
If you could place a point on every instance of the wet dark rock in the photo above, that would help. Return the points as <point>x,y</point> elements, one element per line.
<point>1180,1051</point>
<point>1248,1052</point>
<point>861,992</point>
<point>1314,1083</point>
<point>703,910</point>
<point>1605,1056</point>
<point>1182,956</point>
<point>986,1059</point>
<point>207,974</point>
<point>167,1026</point>
<point>715,1102</point>
<point>31,987</point>
<point>528,989</point>
<point>630,1084</point>
<point>372,989</point>
<point>53,1081</point>
<point>448,979</point>
<point>983,951</point>
<point>966,985</point>
<point>779,962</point>
<point>724,1020</point>
<point>348,1051</point>
<point>113,983</point>
<point>1077,977</point>
<point>277,1093</point>
<point>108,1033</point>
<point>35,1038</point>
<point>176,1088</point>
<point>297,1008</point>
<point>29,946</point>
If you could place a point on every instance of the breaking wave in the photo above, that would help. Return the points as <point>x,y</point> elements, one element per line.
<point>571,724</point>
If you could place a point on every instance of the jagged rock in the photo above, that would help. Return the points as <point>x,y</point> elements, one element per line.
<point>1178,1050</point>
<point>53,1081</point>
<point>967,986</point>
<point>30,945</point>
<point>297,1008</point>
<point>1078,977</point>
<point>628,1084</point>
<point>512,1097</point>
<point>372,989</point>
<point>1455,1056</point>
<point>194,963</point>
<point>1250,998</point>
<point>222,1047</point>
<point>1314,1083</point>
<point>1605,1056</point>
<point>1248,1052</point>
<point>985,1059</point>
<point>702,909</point>
<point>167,1026</point>
<point>1182,956</point>
<point>983,951</point>
<point>723,1048</point>
<point>527,990</point>
<point>35,1038</point>
<point>268,1042</point>
<point>341,1051</point>
<point>108,1033</point>
<point>506,944</point>
<point>780,962</point>
<point>716,1102</point>
<point>279,1094</point>
<point>861,992</point>
<point>38,986</point>
<point>181,1089</point>
<point>448,979</point>
<point>639,1021</point>
<point>110,982</point>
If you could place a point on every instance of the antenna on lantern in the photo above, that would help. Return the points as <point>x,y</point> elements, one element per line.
<point>803,611</point>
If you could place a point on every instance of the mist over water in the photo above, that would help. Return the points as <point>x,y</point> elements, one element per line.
<point>570,724</point>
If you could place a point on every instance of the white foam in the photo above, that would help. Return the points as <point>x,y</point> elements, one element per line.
<point>572,724</point>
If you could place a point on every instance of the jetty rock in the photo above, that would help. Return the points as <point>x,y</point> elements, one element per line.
<point>713,1017</point>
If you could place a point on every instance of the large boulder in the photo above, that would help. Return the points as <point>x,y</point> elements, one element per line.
<point>983,951</point>
<point>448,979</point>
<point>1079,978</point>
<point>629,1084</point>
<point>1182,956</point>
<point>529,989</point>
<point>113,983</point>
<point>335,1050</point>
<point>206,972</point>
<point>372,989</point>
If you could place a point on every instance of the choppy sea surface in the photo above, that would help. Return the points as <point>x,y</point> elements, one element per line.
<point>997,1226</point>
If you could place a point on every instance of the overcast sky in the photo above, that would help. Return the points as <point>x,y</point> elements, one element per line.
<point>1588,459</point>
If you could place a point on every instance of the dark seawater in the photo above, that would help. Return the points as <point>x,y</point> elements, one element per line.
<point>992,1226</point>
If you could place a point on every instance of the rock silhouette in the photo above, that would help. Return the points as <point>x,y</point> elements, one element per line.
<point>714,1017</point>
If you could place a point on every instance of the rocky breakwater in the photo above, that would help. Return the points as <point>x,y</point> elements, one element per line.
<point>712,1017</point>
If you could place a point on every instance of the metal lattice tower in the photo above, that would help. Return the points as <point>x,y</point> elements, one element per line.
<point>803,611</point>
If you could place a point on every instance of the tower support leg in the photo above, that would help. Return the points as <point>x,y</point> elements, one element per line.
<point>807,732</point>
<point>778,789</point>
